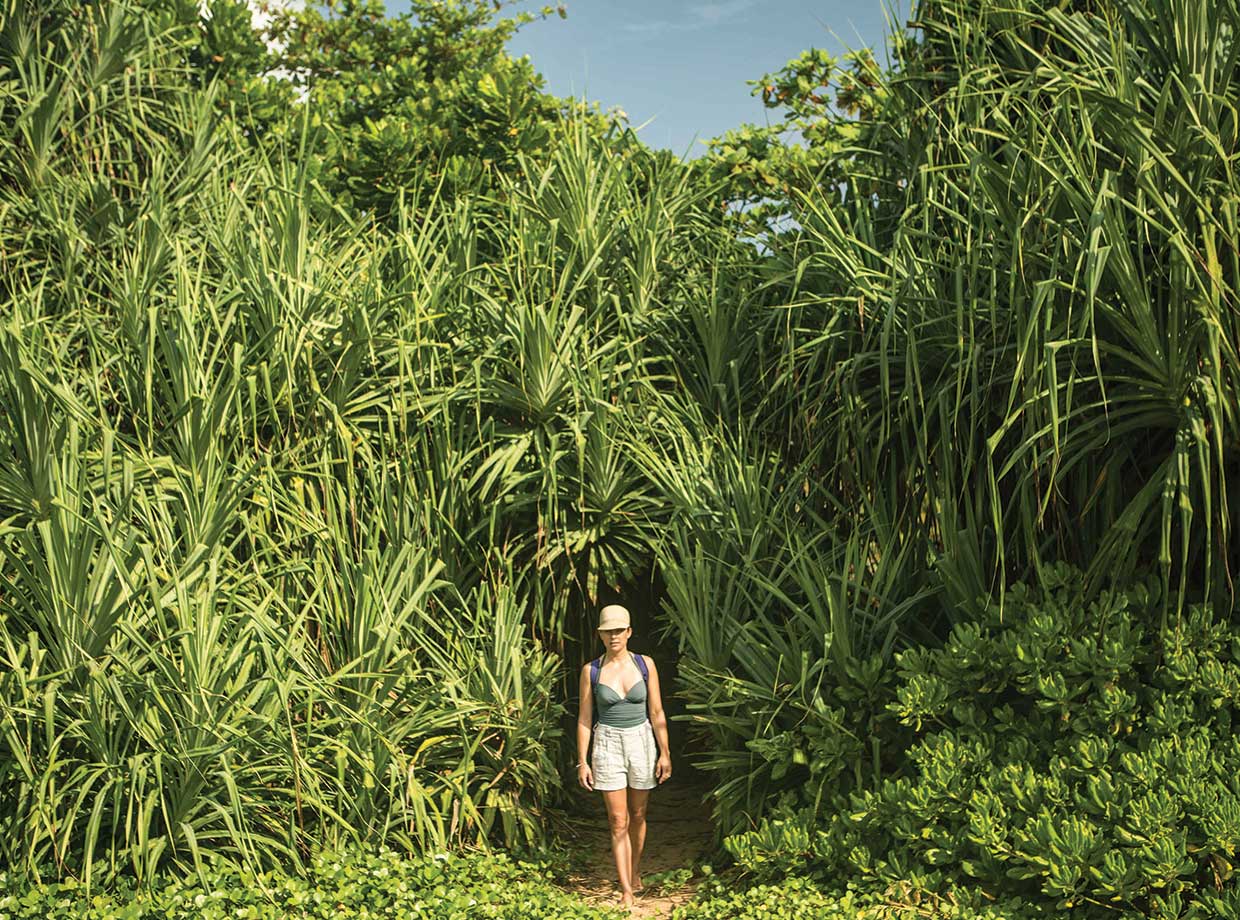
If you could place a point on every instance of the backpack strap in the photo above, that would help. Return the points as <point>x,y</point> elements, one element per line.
<point>641,666</point>
<point>594,666</point>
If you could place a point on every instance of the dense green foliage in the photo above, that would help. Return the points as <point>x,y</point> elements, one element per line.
<point>793,899</point>
<point>1015,347</point>
<point>422,103</point>
<point>1067,754</point>
<point>799,898</point>
<point>329,419</point>
<point>233,624</point>
<point>435,887</point>
<point>824,107</point>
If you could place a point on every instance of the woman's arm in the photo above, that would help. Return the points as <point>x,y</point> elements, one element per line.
<point>658,720</point>
<point>585,723</point>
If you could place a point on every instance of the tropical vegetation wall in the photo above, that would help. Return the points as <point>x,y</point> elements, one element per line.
<point>343,370</point>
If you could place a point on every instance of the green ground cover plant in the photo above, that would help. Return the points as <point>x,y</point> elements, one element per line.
<point>441,886</point>
<point>793,899</point>
<point>801,898</point>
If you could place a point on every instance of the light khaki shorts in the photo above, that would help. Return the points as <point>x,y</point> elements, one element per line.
<point>623,757</point>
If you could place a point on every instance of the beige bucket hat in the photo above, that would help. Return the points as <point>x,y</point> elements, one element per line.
<point>613,616</point>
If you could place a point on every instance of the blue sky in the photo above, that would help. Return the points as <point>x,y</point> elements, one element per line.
<point>684,63</point>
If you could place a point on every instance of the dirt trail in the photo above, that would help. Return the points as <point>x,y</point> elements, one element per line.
<point>678,835</point>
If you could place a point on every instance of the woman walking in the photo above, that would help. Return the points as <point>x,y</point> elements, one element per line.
<point>624,689</point>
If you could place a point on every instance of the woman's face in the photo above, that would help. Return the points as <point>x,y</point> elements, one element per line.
<point>615,639</point>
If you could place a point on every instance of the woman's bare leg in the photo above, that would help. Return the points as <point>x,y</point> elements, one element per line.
<point>638,799</point>
<point>621,848</point>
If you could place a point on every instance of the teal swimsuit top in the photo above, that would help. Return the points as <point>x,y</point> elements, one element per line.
<point>621,711</point>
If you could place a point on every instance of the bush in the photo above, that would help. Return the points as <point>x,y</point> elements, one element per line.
<point>381,884</point>
<point>1067,755</point>
<point>797,897</point>
<point>790,899</point>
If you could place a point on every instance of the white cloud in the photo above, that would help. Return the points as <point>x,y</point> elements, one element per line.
<point>721,12</point>
<point>700,16</point>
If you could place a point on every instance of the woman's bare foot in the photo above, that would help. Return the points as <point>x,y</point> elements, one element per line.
<point>638,885</point>
<point>627,899</point>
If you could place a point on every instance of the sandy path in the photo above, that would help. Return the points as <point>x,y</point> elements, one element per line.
<point>678,835</point>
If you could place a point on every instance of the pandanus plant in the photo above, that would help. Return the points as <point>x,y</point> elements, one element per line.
<point>301,512</point>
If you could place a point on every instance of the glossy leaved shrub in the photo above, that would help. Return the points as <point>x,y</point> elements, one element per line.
<point>1070,757</point>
